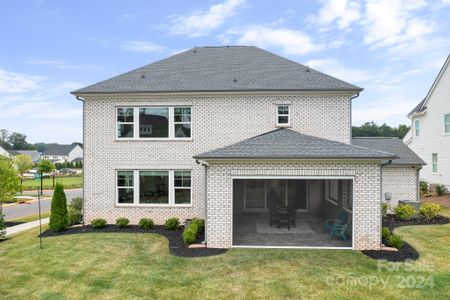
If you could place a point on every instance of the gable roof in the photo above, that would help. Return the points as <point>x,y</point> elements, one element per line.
<point>392,144</point>
<point>35,155</point>
<point>227,68</point>
<point>288,144</point>
<point>61,150</point>
<point>422,104</point>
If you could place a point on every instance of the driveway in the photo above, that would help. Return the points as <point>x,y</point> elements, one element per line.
<point>31,208</point>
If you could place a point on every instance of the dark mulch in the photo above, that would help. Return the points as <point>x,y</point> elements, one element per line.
<point>392,222</point>
<point>9,224</point>
<point>407,252</point>
<point>176,244</point>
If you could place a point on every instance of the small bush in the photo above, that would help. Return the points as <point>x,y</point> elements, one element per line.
<point>423,186</point>
<point>98,223</point>
<point>385,233</point>
<point>428,194</point>
<point>75,211</point>
<point>441,189</point>
<point>172,224</point>
<point>190,234</point>
<point>146,224</point>
<point>404,211</point>
<point>59,216</point>
<point>430,210</point>
<point>2,227</point>
<point>122,222</point>
<point>384,209</point>
<point>200,223</point>
<point>395,241</point>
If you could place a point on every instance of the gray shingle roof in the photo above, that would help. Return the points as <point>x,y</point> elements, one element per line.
<point>35,155</point>
<point>228,68</point>
<point>418,108</point>
<point>393,145</point>
<point>59,149</point>
<point>286,143</point>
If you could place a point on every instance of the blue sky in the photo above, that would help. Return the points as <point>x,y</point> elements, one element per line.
<point>392,48</point>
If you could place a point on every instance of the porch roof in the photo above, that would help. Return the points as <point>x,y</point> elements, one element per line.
<point>285,143</point>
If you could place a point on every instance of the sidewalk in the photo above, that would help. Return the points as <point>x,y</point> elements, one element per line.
<point>25,226</point>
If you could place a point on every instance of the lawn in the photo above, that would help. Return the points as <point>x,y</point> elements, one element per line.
<point>69,182</point>
<point>126,266</point>
<point>29,218</point>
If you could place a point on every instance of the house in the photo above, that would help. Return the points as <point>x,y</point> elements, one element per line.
<point>258,145</point>
<point>35,155</point>
<point>429,135</point>
<point>4,152</point>
<point>62,153</point>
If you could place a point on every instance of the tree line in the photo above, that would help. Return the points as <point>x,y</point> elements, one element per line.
<point>18,141</point>
<point>373,129</point>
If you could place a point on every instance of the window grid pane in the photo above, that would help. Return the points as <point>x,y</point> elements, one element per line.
<point>154,122</point>
<point>154,187</point>
<point>125,178</point>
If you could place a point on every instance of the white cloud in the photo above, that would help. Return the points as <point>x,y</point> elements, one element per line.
<point>60,64</point>
<point>343,12</point>
<point>290,41</point>
<point>142,46</point>
<point>335,68</point>
<point>200,23</point>
<point>11,82</point>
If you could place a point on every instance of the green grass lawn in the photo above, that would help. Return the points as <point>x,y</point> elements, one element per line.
<point>68,182</point>
<point>130,266</point>
<point>30,218</point>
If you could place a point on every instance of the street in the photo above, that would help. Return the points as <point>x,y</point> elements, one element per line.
<point>28,209</point>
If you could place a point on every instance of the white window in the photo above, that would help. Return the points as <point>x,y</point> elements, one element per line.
<point>283,115</point>
<point>434,159</point>
<point>447,123</point>
<point>154,122</point>
<point>154,187</point>
<point>417,127</point>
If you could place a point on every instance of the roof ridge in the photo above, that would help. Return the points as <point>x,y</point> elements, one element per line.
<point>376,137</point>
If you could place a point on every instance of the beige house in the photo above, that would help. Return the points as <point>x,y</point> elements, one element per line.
<point>258,145</point>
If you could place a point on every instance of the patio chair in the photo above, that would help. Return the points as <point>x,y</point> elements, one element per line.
<point>341,220</point>
<point>339,230</point>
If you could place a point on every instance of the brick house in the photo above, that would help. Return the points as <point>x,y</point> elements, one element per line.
<point>238,136</point>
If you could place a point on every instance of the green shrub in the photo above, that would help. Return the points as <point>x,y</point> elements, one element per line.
<point>2,227</point>
<point>428,194</point>
<point>384,209</point>
<point>146,224</point>
<point>172,224</point>
<point>423,186</point>
<point>190,234</point>
<point>59,216</point>
<point>122,222</point>
<point>404,211</point>
<point>200,223</point>
<point>385,233</point>
<point>395,241</point>
<point>430,210</point>
<point>98,223</point>
<point>441,189</point>
<point>75,211</point>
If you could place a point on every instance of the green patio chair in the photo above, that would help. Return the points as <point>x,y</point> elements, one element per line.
<point>339,230</point>
<point>341,220</point>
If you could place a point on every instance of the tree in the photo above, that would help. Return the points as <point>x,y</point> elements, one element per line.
<point>59,216</point>
<point>19,141</point>
<point>9,180</point>
<point>371,129</point>
<point>45,166</point>
<point>23,163</point>
<point>4,139</point>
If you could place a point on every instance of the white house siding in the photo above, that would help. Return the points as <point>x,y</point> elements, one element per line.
<point>366,201</point>
<point>401,182</point>
<point>216,121</point>
<point>75,153</point>
<point>4,152</point>
<point>432,138</point>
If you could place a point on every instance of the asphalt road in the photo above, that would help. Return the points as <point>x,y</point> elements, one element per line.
<point>29,209</point>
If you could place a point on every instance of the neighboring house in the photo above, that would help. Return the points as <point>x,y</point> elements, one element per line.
<point>4,152</point>
<point>35,155</point>
<point>429,135</point>
<point>63,153</point>
<point>244,138</point>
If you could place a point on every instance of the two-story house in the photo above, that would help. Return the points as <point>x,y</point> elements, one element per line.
<point>258,145</point>
<point>429,135</point>
<point>63,153</point>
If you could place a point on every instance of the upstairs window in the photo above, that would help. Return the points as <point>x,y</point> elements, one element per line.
<point>447,123</point>
<point>417,127</point>
<point>434,159</point>
<point>283,115</point>
<point>154,122</point>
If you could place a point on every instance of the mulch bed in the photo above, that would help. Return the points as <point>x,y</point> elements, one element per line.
<point>176,245</point>
<point>407,252</point>
<point>10,224</point>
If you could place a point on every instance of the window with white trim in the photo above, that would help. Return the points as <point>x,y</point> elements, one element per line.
<point>154,187</point>
<point>417,127</point>
<point>154,122</point>
<point>283,115</point>
<point>434,160</point>
<point>332,190</point>
<point>447,123</point>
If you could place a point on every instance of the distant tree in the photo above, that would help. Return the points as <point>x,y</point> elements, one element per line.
<point>373,129</point>
<point>23,163</point>
<point>45,166</point>
<point>41,147</point>
<point>19,141</point>
<point>4,134</point>
<point>78,143</point>
<point>9,179</point>
<point>59,216</point>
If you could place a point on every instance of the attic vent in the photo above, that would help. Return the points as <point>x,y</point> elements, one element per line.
<point>307,69</point>
<point>142,76</point>
<point>195,51</point>
<point>234,80</point>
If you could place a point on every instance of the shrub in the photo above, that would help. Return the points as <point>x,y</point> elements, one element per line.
<point>423,186</point>
<point>428,194</point>
<point>190,234</point>
<point>385,233</point>
<point>404,211</point>
<point>395,241</point>
<point>59,216</point>
<point>2,227</point>
<point>122,222</point>
<point>430,210</point>
<point>172,224</point>
<point>75,211</point>
<point>146,224</point>
<point>200,223</point>
<point>98,223</point>
<point>384,209</point>
<point>441,189</point>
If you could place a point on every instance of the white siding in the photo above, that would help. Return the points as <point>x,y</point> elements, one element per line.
<point>75,153</point>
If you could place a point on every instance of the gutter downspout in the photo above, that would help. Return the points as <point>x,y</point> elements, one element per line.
<point>418,184</point>
<point>205,195</point>
<point>381,192</point>
<point>84,179</point>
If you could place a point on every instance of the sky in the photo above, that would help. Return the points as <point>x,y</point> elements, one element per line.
<point>393,49</point>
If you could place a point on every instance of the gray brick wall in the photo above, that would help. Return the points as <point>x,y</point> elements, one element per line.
<point>401,182</point>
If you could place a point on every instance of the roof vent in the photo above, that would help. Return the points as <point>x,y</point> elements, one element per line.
<point>195,50</point>
<point>307,69</point>
<point>142,76</point>
<point>234,80</point>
